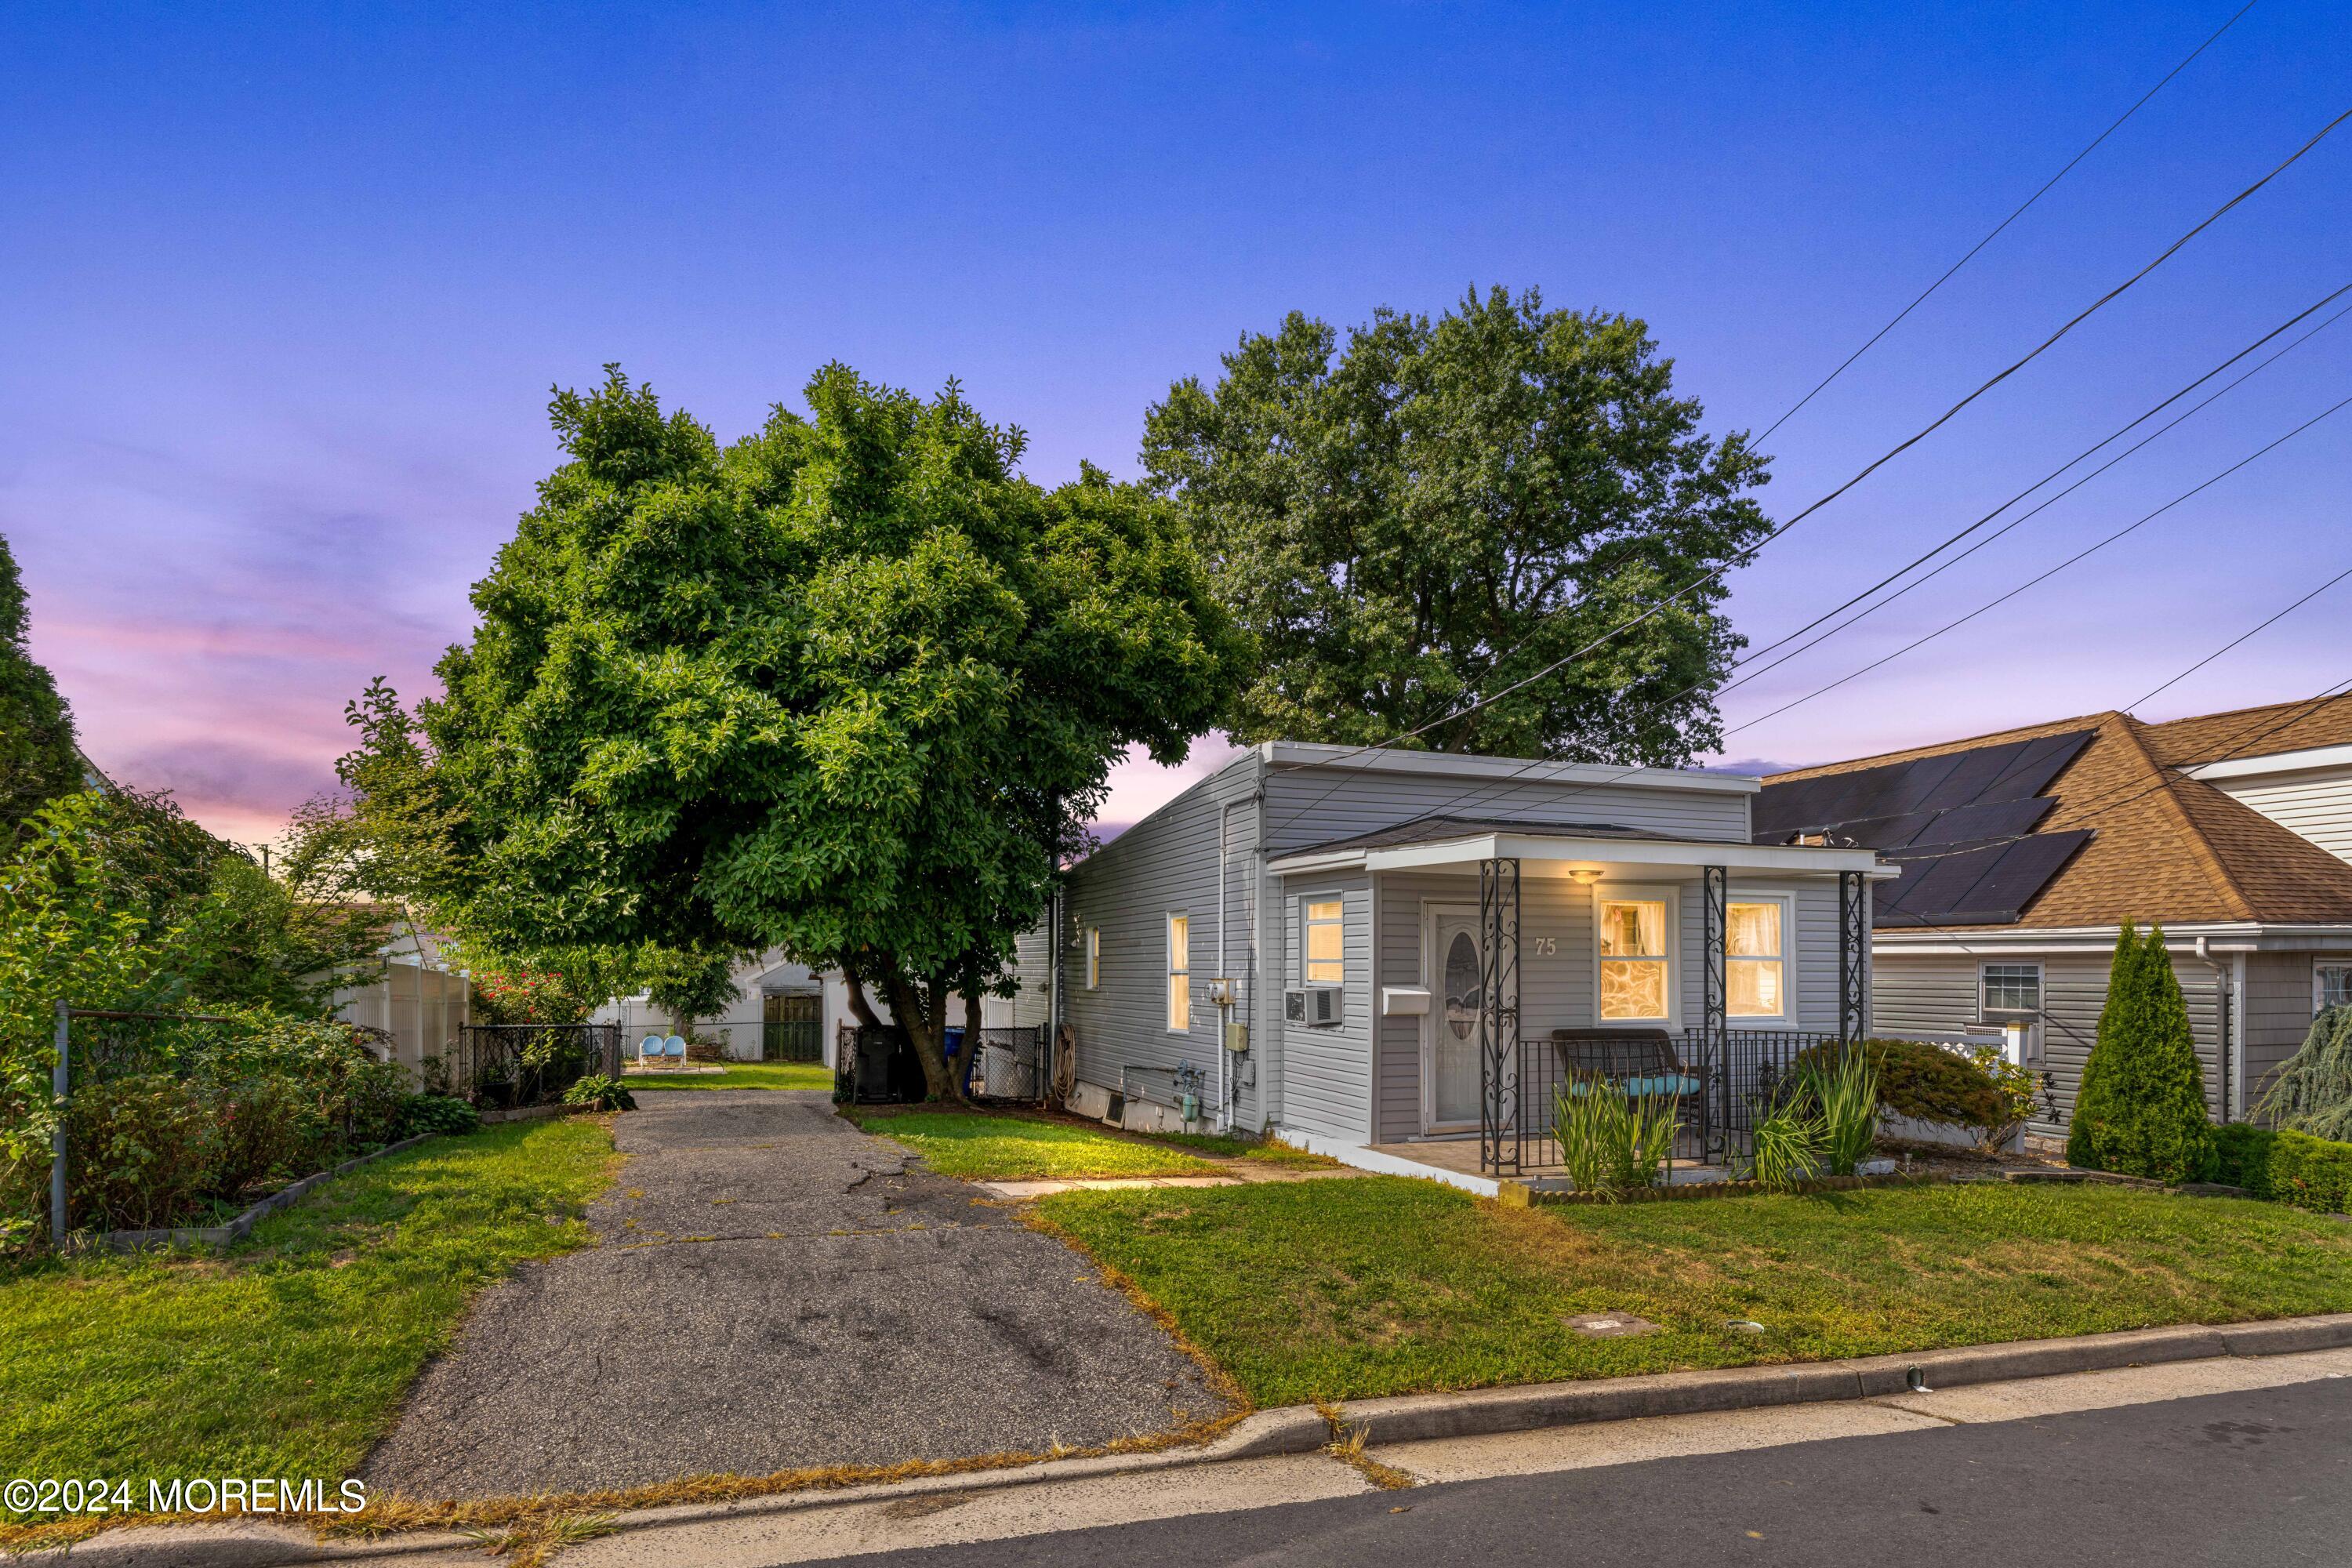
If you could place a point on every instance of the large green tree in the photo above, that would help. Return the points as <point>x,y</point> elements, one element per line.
<point>850,687</point>
<point>38,759</point>
<point>1440,509</point>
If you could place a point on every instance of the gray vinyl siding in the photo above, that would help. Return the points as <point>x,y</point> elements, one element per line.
<point>2317,806</point>
<point>1327,1072</point>
<point>1933,993</point>
<point>1557,990</point>
<point>2278,1005</point>
<point>1032,970</point>
<point>1167,863</point>
<point>1307,805</point>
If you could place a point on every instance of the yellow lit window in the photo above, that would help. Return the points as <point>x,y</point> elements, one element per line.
<point>1754,961</point>
<point>1325,965</point>
<point>1634,977</point>
<point>1179,972</point>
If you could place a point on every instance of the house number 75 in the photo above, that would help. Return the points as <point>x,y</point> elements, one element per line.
<point>1543,946</point>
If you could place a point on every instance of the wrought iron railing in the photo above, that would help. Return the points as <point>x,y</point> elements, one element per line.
<point>1719,1085</point>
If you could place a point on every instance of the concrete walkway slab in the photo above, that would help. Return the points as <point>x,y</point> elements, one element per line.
<point>772,1288</point>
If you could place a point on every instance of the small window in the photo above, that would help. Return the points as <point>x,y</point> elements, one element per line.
<point>1755,961</point>
<point>1634,978</point>
<point>1094,957</point>
<point>1180,972</point>
<point>2331,986</point>
<point>2011,989</point>
<point>1325,962</point>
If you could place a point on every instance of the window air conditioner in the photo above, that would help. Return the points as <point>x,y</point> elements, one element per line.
<point>1317,1006</point>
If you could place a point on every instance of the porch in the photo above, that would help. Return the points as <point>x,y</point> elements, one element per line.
<point>1502,962</point>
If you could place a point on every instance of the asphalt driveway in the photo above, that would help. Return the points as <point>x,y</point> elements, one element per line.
<point>774,1289</point>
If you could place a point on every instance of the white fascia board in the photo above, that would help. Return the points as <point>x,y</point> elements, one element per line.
<point>1682,854</point>
<point>1455,764</point>
<point>2277,763</point>
<point>2221,936</point>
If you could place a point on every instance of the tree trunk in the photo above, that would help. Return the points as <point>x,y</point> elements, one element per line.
<point>920,1017</point>
<point>858,1005</point>
<point>970,1031</point>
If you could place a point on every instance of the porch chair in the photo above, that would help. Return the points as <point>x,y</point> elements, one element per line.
<point>1637,1061</point>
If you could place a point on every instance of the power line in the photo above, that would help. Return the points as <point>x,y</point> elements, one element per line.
<point>2091,147</point>
<point>1953,540</point>
<point>2045,576</point>
<point>1749,553</point>
<point>1487,790</point>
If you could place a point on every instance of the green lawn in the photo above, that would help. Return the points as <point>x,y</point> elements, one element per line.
<point>743,1075</point>
<point>997,1147</point>
<point>288,1355</point>
<point>1220,1146</point>
<point>1378,1286</point>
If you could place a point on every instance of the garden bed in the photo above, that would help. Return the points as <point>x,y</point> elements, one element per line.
<point>1382,1285</point>
<point>238,1228</point>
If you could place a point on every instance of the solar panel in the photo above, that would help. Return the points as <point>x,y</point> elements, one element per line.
<point>1988,886</point>
<point>1934,808</point>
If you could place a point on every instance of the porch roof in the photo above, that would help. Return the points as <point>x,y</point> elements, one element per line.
<point>1558,849</point>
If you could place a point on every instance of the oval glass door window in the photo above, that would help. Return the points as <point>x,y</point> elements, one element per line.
<point>1461,985</point>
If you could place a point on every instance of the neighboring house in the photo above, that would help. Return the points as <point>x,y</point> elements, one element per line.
<point>2022,852</point>
<point>787,1011</point>
<point>416,997</point>
<point>1317,939</point>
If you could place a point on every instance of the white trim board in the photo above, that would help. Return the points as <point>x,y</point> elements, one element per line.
<point>2275,763</point>
<point>1546,851</point>
<point>1455,764</point>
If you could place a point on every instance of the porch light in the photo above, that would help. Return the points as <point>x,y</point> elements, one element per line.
<point>1584,876</point>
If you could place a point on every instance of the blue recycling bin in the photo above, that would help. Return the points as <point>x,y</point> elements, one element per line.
<point>952,1039</point>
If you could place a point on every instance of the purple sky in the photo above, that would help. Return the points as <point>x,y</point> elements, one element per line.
<point>285,288</point>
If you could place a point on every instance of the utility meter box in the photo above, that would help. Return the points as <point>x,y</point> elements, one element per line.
<point>1221,992</point>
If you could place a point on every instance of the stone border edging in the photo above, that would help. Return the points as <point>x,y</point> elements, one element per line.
<point>1301,1429</point>
<point>242,1226</point>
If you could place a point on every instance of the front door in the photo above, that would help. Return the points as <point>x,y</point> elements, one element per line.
<point>1449,1050</point>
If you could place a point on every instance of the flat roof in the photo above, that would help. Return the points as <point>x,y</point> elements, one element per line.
<point>1532,770</point>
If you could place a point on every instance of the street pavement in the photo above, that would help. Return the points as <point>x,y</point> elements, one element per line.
<point>2259,1479</point>
<point>772,1288</point>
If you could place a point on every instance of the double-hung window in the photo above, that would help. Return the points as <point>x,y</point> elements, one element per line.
<point>1755,958</point>
<point>2010,992</point>
<point>1326,961</point>
<point>1634,982</point>
<point>1180,972</point>
<point>1094,957</point>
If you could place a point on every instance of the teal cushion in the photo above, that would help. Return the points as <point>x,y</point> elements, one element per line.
<point>1656,1083</point>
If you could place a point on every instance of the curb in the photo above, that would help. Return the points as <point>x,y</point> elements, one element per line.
<point>1301,1429</point>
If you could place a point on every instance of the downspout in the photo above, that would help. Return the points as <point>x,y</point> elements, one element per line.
<point>1225,1117</point>
<point>2224,1023</point>
<point>1268,1076</point>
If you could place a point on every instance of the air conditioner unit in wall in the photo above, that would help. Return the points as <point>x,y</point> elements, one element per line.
<point>1317,1006</point>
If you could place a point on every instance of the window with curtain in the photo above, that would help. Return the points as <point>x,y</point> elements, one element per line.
<point>1755,971</point>
<point>1326,965</point>
<point>1634,982</point>
<point>1180,972</point>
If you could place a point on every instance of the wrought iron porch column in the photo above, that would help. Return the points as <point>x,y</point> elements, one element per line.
<point>1853,956</point>
<point>1715,917</point>
<point>1500,1150</point>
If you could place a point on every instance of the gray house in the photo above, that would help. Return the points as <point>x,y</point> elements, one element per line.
<point>2022,852</point>
<point>1393,956</point>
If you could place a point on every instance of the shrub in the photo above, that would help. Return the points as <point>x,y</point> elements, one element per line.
<point>2141,1108</point>
<point>604,1093</point>
<point>1844,1095</point>
<point>2286,1166</point>
<point>2312,1091</point>
<point>1927,1082</point>
<point>432,1113</point>
<point>1787,1145</point>
<point>704,1049</point>
<point>1611,1142</point>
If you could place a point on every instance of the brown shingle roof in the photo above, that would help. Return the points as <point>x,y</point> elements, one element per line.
<point>2166,846</point>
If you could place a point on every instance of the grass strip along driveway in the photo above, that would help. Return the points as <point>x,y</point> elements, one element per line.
<point>989,1146</point>
<point>288,1354</point>
<point>1359,1288</point>
<point>742,1075</point>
